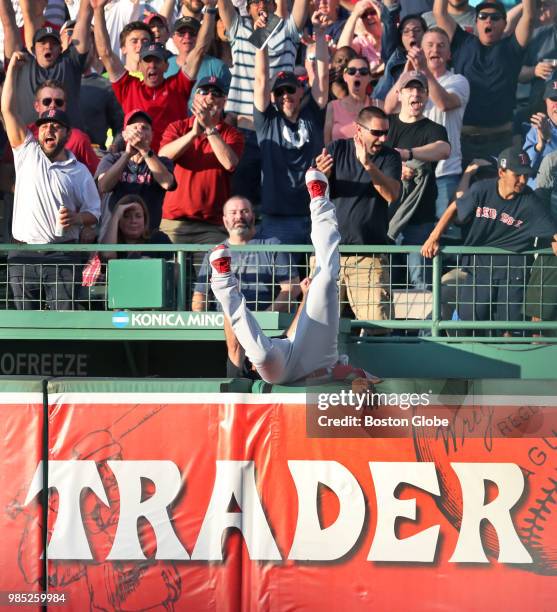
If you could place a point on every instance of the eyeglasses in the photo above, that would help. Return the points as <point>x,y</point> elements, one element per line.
<point>376,133</point>
<point>284,90</point>
<point>59,102</point>
<point>491,16</point>
<point>368,14</point>
<point>363,71</point>
<point>205,91</point>
<point>415,30</point>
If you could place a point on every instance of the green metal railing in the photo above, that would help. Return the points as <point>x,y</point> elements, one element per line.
<point>433,305</point>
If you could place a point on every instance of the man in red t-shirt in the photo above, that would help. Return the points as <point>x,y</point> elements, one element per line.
<point>165,100</point>
<point>206,151</point>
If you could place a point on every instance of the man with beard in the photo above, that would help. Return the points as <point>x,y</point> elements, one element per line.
<point>55,196</point>
<point>491,63</point>
<point>421,143</point>
<point>259,272</point>
<point>45,57</point>
<point>503,213</point>
<point>290,135</point>
<point>205,150</point>
<point>364,178</point>
<point>164,100</point>
<point>51,95</point>
<point>311,351</point>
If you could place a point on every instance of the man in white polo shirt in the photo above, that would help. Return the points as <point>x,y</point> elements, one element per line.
<point>55,196</point>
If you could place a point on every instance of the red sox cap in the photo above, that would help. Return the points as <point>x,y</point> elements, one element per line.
<point>47,32</point>
<point>516,160</point>
<point>53,115</point>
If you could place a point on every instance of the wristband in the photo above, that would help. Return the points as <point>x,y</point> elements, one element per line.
<point>410,155</point>
<point>209,10</point>
<point>211,131</point>
<point>149,153</point>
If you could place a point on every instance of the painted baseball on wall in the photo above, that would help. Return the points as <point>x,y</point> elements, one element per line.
<point>522,434</point>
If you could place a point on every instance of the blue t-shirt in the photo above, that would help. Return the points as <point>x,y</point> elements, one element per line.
<point>492,72</point>
<point>210,66</point>
<point>259,273</point>
<point>287,151</point>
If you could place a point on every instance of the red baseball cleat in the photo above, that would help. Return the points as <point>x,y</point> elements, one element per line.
<point>220,259</point>
<point>317,184</point>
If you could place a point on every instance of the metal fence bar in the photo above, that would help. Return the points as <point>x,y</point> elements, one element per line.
<point>537,292</point>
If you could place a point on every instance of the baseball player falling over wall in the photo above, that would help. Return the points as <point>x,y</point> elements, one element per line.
<point>312,351</point>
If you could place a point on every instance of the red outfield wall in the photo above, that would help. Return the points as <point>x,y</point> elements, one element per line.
<point>164,499</point>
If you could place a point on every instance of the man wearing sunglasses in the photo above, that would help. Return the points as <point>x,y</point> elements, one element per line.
<point>205,150</point>
<point>364,178</point>
<point>51,95</point>
<point>290,135</point>
<point>491,63</point>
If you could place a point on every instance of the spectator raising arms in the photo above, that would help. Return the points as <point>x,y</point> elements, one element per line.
<point>290,135</point>
<point>491,63</point>
<point>165,100</point>
<point>367,42</point>
<point>282,48</point>
<point>54,197</point>
<point>46,60</point>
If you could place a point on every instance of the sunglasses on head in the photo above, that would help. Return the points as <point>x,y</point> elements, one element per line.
<point>205,91</point>
<point>373,132</point>
<point>57,101</point>
<point>363,71</point>
<point>491,16</point>
<point>285,90</point>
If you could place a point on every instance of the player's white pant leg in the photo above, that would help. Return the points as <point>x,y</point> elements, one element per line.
<point>315,343</point>
<point>268,355</point>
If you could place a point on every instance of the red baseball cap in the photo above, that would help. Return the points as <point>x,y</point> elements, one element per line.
<point>133,113</point>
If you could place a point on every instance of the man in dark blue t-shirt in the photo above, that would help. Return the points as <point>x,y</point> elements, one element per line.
<point>290,134</point>
<point>491,62</point>
<point>502,213</point>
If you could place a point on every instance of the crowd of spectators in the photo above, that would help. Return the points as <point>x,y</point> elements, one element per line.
<point>194,122</point>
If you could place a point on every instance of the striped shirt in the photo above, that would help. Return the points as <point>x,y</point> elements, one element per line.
<point>282,56</point>
<point>55,12</point>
